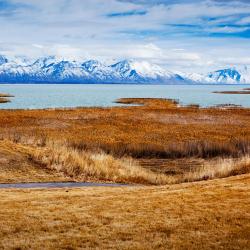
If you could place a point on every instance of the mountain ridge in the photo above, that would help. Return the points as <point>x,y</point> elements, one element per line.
<point>59,70</point>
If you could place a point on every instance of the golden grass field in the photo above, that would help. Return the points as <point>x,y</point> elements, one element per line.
<point>205,215</point>
<point>198,157</point>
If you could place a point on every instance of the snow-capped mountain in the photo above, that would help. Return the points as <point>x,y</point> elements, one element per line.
<point>223,76</point>
<point>60,70</point>
<point>52,69</point>
<point>230,75</point>
<point>245,73</point>
<point>3,60</point>
<point>144,72</point>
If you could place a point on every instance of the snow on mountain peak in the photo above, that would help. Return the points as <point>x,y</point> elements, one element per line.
<point>230,75</point>
<point>91,65</point>
<point>149,70</point>
<point>46,61</point>
<point>56,69</point>
<point>122,66</point>
<point>245,72</point>
<point>142,69</point>
<point>3,59</point>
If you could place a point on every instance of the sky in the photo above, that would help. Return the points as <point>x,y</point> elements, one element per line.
<point>181,35</point>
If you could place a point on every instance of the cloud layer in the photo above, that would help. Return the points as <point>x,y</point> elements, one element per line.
<point>178,34</point>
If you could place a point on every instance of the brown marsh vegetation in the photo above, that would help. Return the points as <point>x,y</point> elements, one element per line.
<point>109,144</point>
<point>4,98</point>
<point>245,91</point>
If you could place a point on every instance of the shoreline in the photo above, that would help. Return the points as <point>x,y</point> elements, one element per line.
<point>124,103</point>
<point>89,97</point>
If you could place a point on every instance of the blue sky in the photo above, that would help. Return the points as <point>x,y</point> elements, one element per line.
<point>202,35</point>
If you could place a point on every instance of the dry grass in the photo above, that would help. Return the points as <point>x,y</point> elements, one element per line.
<point>205,215</point>
<point>159,129</point>
<point>245,91</point>
<point>150,102</point>
<point>5,95</point>
<point>84,144</point>
<point>81,165</point>
<point>76,165</point>
<point>219,169</point>
<point>4,98</point>
<point>17,167</point>
<point>87,166</point>
<point>194,148</point>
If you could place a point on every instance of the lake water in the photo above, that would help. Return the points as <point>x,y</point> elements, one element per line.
<point>34,96</point>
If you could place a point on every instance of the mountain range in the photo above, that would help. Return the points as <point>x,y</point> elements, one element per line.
<point>55,70</point>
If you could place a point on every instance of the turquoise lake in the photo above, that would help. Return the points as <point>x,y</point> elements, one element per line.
<point>40,96</point>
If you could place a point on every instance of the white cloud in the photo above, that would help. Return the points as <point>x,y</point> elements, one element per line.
<point>82,29</point>
<point>245,20</point>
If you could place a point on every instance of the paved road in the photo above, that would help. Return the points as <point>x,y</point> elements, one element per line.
<point>59,185</point>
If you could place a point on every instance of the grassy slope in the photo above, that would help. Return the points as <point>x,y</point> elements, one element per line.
<point>204,215</point>
<point>57,162</point>
<point>16,167</point>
